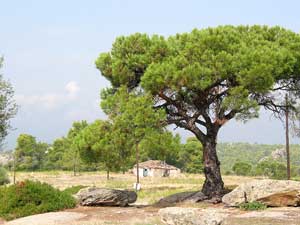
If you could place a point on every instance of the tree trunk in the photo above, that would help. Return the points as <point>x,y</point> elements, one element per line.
<point>74,169</point>
<point>137,163</point>
<point>107,174</point>
<point>14,168</point>
<point>213,186</point>
<point>287,139</point>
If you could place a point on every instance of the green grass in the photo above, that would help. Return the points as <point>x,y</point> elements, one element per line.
<point>296,178</point>
<point>252,206</point>
<point>119,184</point>
<point>153,195</point>
<point>74,189</point>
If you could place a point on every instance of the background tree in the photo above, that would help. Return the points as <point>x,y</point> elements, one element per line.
<point>242,168</point>
<point>190,156</point>
<point>56,154</point>
<point>71,155</point>
<point>29,153</point>
<point>161,145</point>
<point>207,77</point>
<point>8,107</point>
<point>133,114</point>
<point>95,145</point>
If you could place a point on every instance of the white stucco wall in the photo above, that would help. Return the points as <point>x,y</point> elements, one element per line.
<point>156,172</point>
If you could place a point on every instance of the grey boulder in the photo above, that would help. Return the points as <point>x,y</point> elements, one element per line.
<point>93,196</point>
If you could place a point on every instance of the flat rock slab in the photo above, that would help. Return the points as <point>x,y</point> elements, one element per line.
<point>279,216</point>
<point>52,218</point>
<point>194,216</point>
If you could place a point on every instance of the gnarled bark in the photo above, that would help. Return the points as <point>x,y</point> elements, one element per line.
<point>213,186</point>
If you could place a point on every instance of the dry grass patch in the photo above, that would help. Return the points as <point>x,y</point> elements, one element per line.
<point>153,189</point>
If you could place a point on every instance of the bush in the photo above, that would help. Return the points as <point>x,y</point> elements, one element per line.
<point>30,197</point>
<point>271,169</point>
<point>252,206</point>
<point>242,168</point>
<point>3,176</point>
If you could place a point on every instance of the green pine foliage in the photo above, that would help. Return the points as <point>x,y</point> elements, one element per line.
<point>31,197</point>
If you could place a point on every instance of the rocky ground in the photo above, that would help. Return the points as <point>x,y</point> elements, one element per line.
<point>93,216</point>
<point>229,216</point>
<point>183,215</point>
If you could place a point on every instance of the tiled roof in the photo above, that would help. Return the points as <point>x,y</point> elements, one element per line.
<point>156,164</point>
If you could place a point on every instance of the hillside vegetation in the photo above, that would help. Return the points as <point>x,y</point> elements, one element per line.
<point>253,154</point>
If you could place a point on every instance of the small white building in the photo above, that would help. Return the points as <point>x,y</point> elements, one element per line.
<point>156,168</point>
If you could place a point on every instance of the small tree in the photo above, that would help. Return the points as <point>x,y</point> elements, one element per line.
<point>161,145</point>
<point>190,156</point>
<point>55,155</point>
<point>71,153</point>
<point>8,107</point>
<point>30,154</point>
<point>132,114</point>
<point>95,145</point>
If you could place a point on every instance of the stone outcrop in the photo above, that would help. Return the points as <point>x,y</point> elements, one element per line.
<point>93,196</point>
<point>277,193</point>
<point>278,154</point>
<point>193,216</point>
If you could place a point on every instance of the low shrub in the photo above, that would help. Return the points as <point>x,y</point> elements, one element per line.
<point>4,179</point>
<point>253,206</point>
<point>31,197</point>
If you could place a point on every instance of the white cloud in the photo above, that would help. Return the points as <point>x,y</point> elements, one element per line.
<point>50,100</point>
<point>72,89</point>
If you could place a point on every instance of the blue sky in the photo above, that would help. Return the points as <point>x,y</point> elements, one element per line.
<point>50,48</point>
